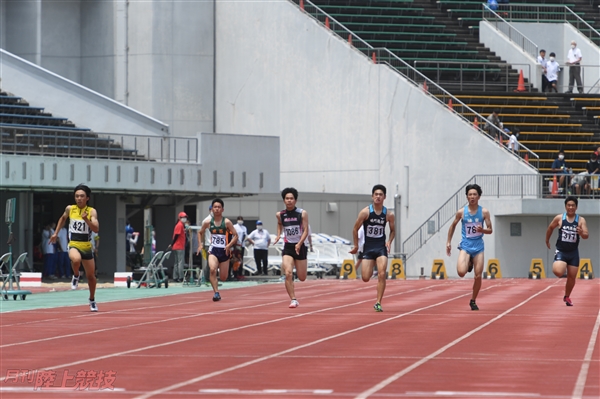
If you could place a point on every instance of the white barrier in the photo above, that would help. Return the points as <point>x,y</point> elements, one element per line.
<point>30,279</point>
<point>121,278</point>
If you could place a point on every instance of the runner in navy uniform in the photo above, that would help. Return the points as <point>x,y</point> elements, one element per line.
<point>293,222</point>
<point>571,227</point>
<point>219,251</point>
<point>375,251</point>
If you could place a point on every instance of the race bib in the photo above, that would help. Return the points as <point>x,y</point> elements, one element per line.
<point>568,236</point>
<point>218,241</point>
<point>471,229</point>
<point>79,227</point>
<point>375,231</point>
<point>292,232</point>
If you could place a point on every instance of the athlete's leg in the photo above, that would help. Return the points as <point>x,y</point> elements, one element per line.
<point>287,267</point>
<point>213,265</point>
<point>559,268</point>
<point>90,273</point>
<point>75,257</point>
<point>223,270</point>
<point>462,266</point>
<point>301,269</point>
<point>382,262</point>
<point>478,269</point>
<point>366,270</point>
<point>571,279</point>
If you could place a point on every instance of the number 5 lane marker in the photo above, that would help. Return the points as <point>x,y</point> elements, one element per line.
<point>580,384</point>
<point>427,358</point>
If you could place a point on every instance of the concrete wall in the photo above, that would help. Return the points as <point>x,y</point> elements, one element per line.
<point>345,123</point>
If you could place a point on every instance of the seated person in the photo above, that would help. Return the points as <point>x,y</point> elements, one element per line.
<point>578,181</point>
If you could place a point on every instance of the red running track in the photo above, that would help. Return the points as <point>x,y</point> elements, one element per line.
<point>523,343</point>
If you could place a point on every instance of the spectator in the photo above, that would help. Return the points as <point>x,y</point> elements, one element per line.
<point>574,61</point>
<point>128,232</point>
<point>49,251</point>
<point>308,241</point>
<point>178,247</point>
<point>242,233</point>
<point>133,259</point>
<point>95,241</point>
<point>513,142</point>
<point>541,59</point>
<point>260,240</point>
<point>578,181</point>
<point>494,120</point>
<point>593,168</point>
<point>62,256</point>
<point>492,5</point>
<point>559,166</point>
<point>552,70</point>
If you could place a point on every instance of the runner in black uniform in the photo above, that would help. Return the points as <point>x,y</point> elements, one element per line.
<point>373,219</point>
<point>294,224</point>
<point>571,227</point>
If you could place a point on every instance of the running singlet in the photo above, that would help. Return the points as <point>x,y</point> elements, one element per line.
<point>568,239</point>
<point>374,228</point>
<point>79,231</point>
<point>472,241</point>
<point>292,225</point>
<point>218,234</point>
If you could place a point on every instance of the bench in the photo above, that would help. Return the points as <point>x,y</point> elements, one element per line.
<point>46,127</point>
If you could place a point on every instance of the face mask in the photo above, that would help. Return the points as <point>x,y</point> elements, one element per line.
<point>561,157</point>
<point>184,220</point>
<point>572,46</point>
<point>552,59</point>
<point>240,222</point>
<point>259,228</point>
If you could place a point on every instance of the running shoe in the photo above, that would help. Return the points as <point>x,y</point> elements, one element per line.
<point>473,305</point>
<point>294,304</point>
<point>93,306</point>
<point>75,282</point>
<point>568,301</point>
<point>377,307</point>
<point>217,297</point>
<point>470,264</point>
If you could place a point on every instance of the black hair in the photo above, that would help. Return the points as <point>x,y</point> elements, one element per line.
<point>542,51</point>
<point>552,55</point>
<point>379,187</point>
<point>473,187</point>
<point>219,200</point>
<point>496,110</point>
<point>85,188</point>
<point>289,190</point>
<point>240,218</point>
<point>572,198</point>
<point>561,151</point>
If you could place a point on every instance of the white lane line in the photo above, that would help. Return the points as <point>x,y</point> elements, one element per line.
<point>267,391</point>
<point>309,344</point>
<point>65,365</point>
<point>580,384</point>
<point>475,394</point>
<point>427,358</point>
<point>161,321</point>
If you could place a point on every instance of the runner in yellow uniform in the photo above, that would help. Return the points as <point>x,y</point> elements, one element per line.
<point>83,220</point>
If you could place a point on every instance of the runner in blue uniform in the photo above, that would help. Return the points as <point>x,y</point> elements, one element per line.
<point>293,222</point>
<point>219,251</point>
<point>471,246</point>
<point>375,250</point>
<point>571,227</point>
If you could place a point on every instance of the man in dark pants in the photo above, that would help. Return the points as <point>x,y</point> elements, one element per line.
<point>260,240</point>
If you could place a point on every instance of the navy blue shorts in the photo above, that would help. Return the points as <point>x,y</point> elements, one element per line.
<point>219,253</point>
<point>571,257</point>
<point>289,249</point>
<point>374,253</point>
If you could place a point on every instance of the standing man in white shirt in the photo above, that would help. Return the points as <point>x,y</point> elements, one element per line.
<point>552,70</point>
<point>574,61</point>
<point>260,240</point>
<point>541,59</point>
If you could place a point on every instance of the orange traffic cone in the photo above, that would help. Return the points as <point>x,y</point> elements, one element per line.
<point>374,58</point>
<point>476,123</point>
<point>350,40</point>
<point>425,88</point>
<point>327,22</point>
<point>450,105</point>
<point>554,186</point>
<point>521,85</point>
<point>302,4</point>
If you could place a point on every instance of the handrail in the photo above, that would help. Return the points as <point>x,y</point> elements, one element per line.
<point>534,186</point>
<point>385,56</point>
<point>526,44</point>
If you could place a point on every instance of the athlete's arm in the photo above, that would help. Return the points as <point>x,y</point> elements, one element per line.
<point>488,223</point>
<point>362,216</point>
<point>279,228</point>
<point>205,224</point>
<point>60,224</point>
<point>582,229</point>
<point>92,221</point>
<point>457,219</point>
<point>234,236</point>
<point>304,231</point>
<point>554,224</point>
<point>392,221</point>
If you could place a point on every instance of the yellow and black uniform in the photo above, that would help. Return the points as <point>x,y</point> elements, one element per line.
<point>79,232</point>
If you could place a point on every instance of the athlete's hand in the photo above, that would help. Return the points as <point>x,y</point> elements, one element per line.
<point>297,247</point>
<point>388,245</point>
<point>227,250</point>
<point>548,244</point>
<point>200,248</point>
<point>448,249</point>
<point>479,229</point>
<point>579,230</point>
<point>53,238</point>
<point>84,215</point>
<point>354,250</point>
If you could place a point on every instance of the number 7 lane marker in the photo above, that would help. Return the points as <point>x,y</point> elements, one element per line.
<point>293,349</point>
<point>580,384</point>
<point>427,358</point>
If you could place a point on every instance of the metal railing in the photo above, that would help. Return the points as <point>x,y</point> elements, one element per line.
<point>84,144</point>
<point>500,72</point>
<point>515,36</point>
<point>547,13</point>
<point>532,186</point>
<point>384,56</point>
